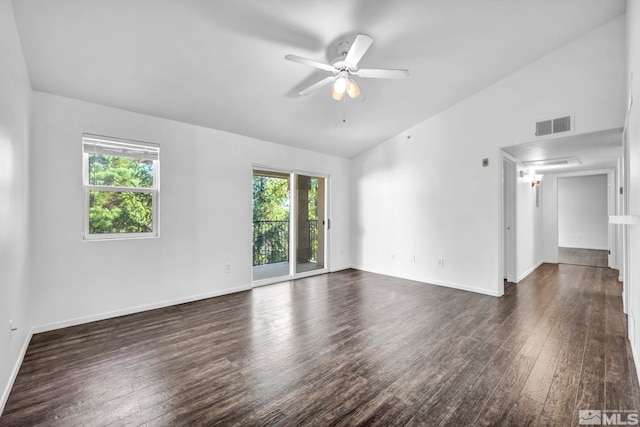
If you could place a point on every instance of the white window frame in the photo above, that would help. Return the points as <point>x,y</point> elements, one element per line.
<point>119,147</point>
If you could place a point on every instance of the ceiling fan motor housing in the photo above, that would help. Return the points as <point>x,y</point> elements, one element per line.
<point>343,49</point>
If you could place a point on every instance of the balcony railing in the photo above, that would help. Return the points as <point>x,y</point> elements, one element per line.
<point>271,241</point>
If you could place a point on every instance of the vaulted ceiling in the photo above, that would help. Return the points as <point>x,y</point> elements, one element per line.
<point>220,64</point>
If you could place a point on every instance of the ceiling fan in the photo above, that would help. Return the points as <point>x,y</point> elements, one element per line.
<point>345,67</point>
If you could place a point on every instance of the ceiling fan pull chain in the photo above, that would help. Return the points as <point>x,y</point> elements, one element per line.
<point>344,110</point>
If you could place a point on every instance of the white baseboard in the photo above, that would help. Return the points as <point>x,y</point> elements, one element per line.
<point>336,269</point>
<point>136,309</point>
<point>549,261</point>
<point>14,372</point>
<point>153,306</point>
<point>431,281</point>
<point>529,271</point>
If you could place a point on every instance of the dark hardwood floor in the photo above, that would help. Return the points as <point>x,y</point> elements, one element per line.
<point>588,257</point>
<point>346,348</point>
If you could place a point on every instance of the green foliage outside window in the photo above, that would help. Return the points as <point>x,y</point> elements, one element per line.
<point>120,211</point>
<point>313,218</point>
<point>270,220</point>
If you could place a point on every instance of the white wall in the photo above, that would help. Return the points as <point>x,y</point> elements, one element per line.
<point>429,195</point>
<point>15,99</point>
<point>550,218</point>
<point>205,214</point>
<point>529,233</point>
<point>583,212</point>
<point>633,64</point>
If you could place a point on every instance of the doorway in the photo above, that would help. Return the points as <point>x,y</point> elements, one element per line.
<point>289,225</point>
<point>583,229</point>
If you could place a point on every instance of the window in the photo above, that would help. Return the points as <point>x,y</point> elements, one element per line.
<point>120,188</point>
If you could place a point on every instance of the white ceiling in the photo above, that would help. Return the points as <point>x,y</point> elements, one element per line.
<point>594,151</point>
<point>220,64</point>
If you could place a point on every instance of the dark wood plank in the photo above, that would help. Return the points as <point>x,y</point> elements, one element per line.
<point>561,398</point>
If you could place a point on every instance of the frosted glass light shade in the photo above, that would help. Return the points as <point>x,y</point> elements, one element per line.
<point>340,85</point>
<point>337,96</point>
<point>352,89</point>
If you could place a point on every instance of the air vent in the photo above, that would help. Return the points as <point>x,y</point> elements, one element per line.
<point>544,128</point>
<point>562,124</point>
<point>553,126</point>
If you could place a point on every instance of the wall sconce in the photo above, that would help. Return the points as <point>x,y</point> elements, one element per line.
<point>537,179</point>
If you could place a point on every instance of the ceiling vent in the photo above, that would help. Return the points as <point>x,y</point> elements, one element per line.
<point>553,126</point>
<point>548,163</point>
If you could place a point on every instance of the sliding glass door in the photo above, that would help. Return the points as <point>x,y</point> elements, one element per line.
<point>271,221</point>
<point>289,225</point>
<point>310,205</point>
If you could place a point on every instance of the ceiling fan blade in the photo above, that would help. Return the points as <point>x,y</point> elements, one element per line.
<point>321,83</point>
<point>311,62</point>
<point>379,73</point>
<point>360,45</point>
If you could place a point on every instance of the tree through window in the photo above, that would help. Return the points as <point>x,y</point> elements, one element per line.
<point>120,188</point>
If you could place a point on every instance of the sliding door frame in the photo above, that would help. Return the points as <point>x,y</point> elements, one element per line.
<point>293,232</point>
<point>294,225</point>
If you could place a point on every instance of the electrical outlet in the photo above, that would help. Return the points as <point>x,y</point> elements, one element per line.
<point>413,259</point>
<point>227,267</point>
<point>393,257</point>
<point>440,262</point>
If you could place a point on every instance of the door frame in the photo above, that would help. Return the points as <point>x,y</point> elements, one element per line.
<point>612,184</point>
<point>509,219</point>
<point>624,205</point>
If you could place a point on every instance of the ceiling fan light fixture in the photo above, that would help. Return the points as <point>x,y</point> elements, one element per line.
<point>345,66</point>
<point>353,90</point>
<point>340,85</point>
